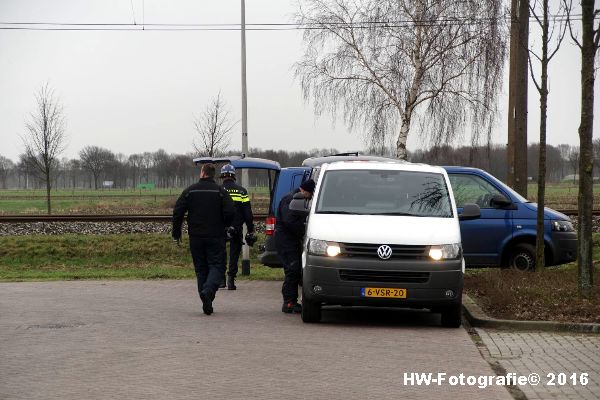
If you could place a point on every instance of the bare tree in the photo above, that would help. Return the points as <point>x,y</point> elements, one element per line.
<point>6,166</point>
<point>385,63</point>
<point>214,128</point>
<point>28,170</point>
<point>74,171</point>
<point>564,150</point>
<point>119,170</point>
<point>147,163</point>
<point>180,165</point>
<point>589,44</point>
<point>574,161</point>
<point>540,10</point>
<point>96,160</point>
<point>161,162</point>
<point>135,165</point>
<point>45,138</point>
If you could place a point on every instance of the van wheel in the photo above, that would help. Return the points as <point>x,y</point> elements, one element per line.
<point>522,257</point>
<point>311,311</point>
<point>452,316</point>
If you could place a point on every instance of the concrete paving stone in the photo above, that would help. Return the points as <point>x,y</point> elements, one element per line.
<point>545,353</point>
<point>149,340</point>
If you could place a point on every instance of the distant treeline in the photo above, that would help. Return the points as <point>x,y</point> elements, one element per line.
<point>177,170</point>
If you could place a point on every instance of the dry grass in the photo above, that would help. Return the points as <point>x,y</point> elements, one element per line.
<point>549,295</point>
<point>546,295</point>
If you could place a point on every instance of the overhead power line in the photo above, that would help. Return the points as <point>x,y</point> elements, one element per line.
<point>62,26</point>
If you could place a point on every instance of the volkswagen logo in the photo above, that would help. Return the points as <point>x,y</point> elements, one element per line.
<point>384,251</point>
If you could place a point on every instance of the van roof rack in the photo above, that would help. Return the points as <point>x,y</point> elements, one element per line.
<point>352,153</point>
<point>318,161</point>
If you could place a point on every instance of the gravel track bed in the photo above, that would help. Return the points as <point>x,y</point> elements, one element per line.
<point>103,228</point>
<point>595,223</point>
<point>83,228</point>
<point>90,228</point>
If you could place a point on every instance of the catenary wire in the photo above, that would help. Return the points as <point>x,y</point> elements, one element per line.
<point>59,26</point>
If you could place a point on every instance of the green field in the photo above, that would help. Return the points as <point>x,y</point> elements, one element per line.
<point>562,195</point>
<point>113,201</point>
<point>90,192</point>
<point>41,193</point>
<point>127,256</point>
<point>161,201</point>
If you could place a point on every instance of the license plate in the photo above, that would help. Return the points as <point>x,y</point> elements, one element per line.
<point>390,293</point>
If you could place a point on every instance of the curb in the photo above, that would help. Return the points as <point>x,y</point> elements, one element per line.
<point>479,319</point>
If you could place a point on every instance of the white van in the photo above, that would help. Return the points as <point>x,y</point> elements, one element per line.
<point>383,234</point>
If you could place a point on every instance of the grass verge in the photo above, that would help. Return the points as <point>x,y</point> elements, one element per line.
<point>550,294</point>
<point>128,256</point>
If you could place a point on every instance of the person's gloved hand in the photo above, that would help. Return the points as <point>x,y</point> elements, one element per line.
<point>230,232</point>
<point>250,239</point>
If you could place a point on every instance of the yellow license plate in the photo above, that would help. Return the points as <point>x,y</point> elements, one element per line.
<point>390,293</point>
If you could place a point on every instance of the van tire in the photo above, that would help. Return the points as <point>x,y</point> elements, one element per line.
<point>311,311</point>
<point>452,316</point>
<point>522,257</point>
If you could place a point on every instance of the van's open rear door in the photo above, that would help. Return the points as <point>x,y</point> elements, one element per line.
<point>270,167</point>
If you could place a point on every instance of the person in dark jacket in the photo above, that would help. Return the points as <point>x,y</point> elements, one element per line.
<point>289,234</point>
<point>243,215</point>
<point>210,211</point>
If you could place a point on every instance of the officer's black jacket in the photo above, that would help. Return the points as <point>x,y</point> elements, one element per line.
<point>290,225</point>
<point>209,210</point>
<point>243,209</point>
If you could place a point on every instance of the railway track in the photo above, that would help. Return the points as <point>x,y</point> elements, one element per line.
<point>137,217</point>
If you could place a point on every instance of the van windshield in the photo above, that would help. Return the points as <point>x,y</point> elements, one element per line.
<point>384,192</point>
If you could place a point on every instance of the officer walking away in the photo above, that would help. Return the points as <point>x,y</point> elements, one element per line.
<point>289,234</point>
<point>243,215</point>
<point>209,211</point>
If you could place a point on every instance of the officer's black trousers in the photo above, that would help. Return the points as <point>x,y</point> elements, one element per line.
<point>235,248</point>
<point>208,255</point>
<point>292,267</point>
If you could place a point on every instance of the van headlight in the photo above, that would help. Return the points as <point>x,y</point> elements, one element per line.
<point>323,248</point>
<point>445,251</point>
<point>562,226</point>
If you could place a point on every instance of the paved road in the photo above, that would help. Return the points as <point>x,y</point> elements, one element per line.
<point>549,355</point>
<point>149,340</point>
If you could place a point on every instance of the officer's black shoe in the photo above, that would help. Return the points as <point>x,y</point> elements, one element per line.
<point>290,307</point>
<point>231,283</point>
<point>222,285</point>
<point>207,299</point>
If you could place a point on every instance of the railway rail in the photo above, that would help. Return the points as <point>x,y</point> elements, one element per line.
<point>137,217</point>
<point>97,218</point>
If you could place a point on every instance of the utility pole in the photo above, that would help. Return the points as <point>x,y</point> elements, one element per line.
<point>517,96</point>
<point>245,179</point>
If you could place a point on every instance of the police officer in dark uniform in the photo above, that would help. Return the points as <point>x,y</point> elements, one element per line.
<point>209,211</point>
<point>289,234</point>
<point>243,215</point>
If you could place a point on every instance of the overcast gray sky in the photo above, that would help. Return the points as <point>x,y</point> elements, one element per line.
<point>135,91</point>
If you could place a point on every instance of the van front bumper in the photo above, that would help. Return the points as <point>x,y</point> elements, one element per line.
<point>339,280</point>
<point>565,247</point>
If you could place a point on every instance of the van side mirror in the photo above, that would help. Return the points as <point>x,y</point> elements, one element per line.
<point>470,211</point>
<point>300,204</point>
<point>500,201</point>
